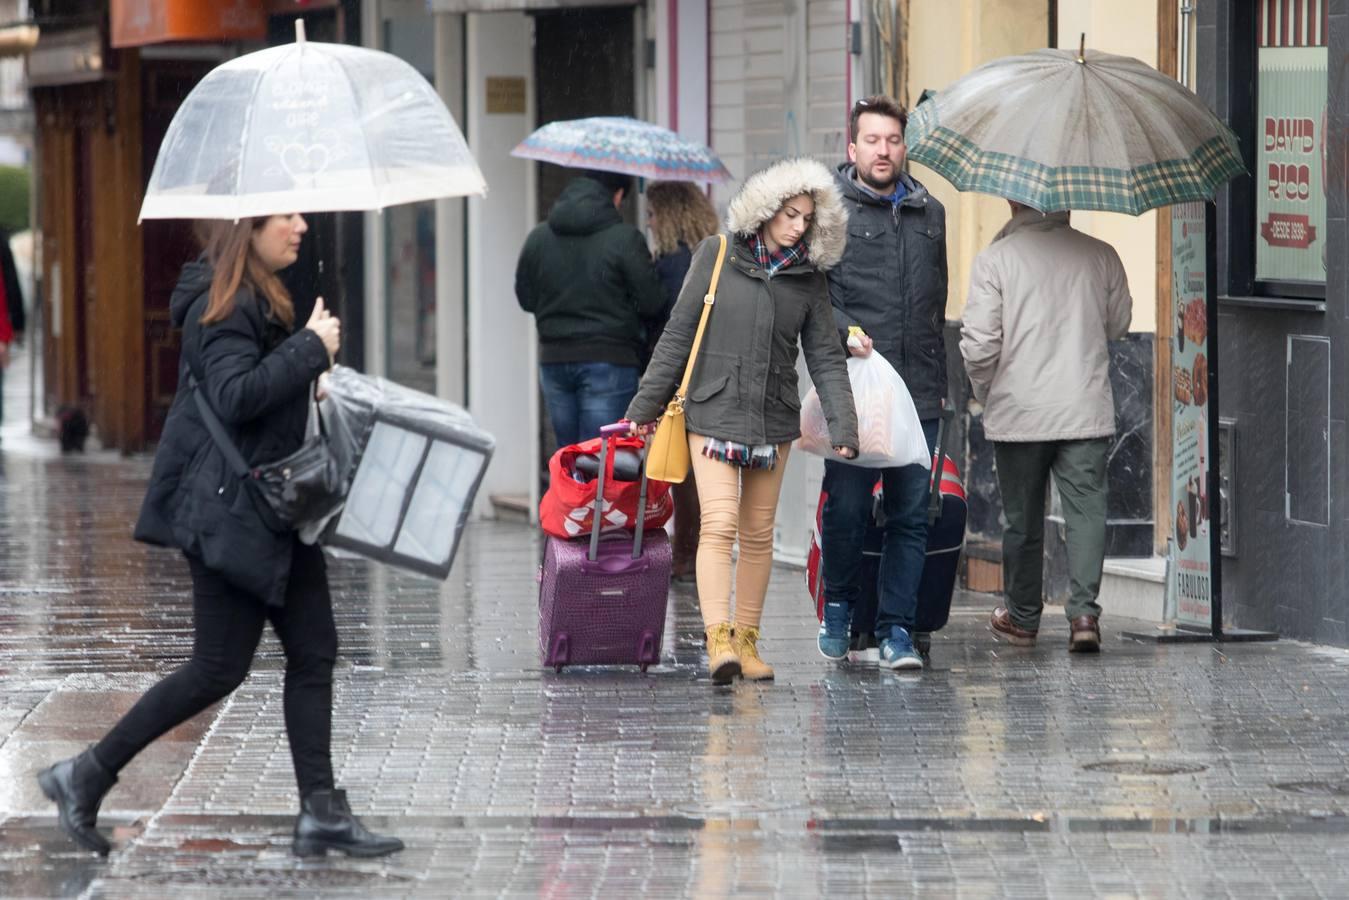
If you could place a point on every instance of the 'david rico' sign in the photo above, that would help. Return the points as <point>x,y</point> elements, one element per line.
<point>1290,169</point>
<point>1289,182</point>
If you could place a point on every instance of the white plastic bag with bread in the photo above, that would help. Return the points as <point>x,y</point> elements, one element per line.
<point>889,431</point>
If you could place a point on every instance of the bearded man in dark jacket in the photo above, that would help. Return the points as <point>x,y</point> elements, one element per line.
<point>891,284</point>
<point>588,279</point>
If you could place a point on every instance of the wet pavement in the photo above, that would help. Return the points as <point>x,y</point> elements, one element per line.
<point>1179,771</point>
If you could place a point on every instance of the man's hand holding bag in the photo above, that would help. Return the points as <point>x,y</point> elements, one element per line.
<point>888,428</point>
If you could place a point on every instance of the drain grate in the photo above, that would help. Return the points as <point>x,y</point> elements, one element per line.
<point>295,877</point>
<point>1145,767</point>
<point>1316,788</point>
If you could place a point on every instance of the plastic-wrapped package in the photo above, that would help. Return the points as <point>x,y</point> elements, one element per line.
<point>413,462</point>
<point>889,432</point>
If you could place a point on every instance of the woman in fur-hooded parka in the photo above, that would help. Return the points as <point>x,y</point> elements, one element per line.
<point>743,407</point>
<point>744,385</point>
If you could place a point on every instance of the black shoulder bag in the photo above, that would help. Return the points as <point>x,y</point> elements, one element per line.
<point>302,487</point>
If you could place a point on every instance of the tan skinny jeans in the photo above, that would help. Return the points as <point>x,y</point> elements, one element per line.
<point>736,502</point>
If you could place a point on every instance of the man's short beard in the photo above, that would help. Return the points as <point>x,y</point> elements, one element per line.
<point>878,186</point>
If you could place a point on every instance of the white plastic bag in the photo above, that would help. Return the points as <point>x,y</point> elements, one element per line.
<point>888,429</point>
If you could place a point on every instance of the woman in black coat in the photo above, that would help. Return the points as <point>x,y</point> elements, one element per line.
<point>241,352</point>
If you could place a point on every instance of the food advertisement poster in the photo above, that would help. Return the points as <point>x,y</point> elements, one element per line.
<point>1189,585</point>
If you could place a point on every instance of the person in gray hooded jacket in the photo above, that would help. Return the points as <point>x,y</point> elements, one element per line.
<point>891,283</point>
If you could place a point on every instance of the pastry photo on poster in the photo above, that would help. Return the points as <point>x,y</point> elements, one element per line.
<point>1189,585</point>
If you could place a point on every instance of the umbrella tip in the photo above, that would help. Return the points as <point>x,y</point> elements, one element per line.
<point>1082,48</point>
<point>299,31</point>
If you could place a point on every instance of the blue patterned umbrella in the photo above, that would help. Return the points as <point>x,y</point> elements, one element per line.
<point>624,145</point>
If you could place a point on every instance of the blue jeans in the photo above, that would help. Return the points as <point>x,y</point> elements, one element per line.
<point>582,397</point>
<point>847,514</point>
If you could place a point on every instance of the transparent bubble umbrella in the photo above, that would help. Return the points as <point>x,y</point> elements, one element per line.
<point>308,127</point>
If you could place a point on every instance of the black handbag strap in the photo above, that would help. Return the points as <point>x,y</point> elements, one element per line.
<point>233,457</point>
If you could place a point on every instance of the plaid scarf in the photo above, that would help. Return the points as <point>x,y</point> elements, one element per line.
<point>760,456</point>
<point>776,261</point>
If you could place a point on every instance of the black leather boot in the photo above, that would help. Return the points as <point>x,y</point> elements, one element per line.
<point>77,786</point>
<point>327,823</point>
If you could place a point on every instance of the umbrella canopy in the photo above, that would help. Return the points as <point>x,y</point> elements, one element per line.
<point>624,145</point>
<point>1059,130</point>
<point>308,127</point>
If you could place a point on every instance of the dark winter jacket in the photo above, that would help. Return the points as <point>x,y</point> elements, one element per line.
<point>744,385</point>
<point>892,283</point>
<point>587,278</point>
<point>257,377</point>
<point>671,269</point>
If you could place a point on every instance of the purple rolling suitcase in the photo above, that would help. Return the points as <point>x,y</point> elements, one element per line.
<point>605,603</point>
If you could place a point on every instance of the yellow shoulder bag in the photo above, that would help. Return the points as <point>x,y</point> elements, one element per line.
<point>667,456</point>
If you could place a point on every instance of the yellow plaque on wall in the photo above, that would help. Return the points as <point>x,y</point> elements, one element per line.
<point>505,96</point>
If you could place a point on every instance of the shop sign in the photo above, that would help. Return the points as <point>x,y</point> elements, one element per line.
<point>74,56</point>
<point>506,96</point>
<point>1189,586</point>
<point>136,23</point>
<point>1290,164</point>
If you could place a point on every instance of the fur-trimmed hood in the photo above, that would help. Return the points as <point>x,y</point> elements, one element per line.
<point>764,193</point>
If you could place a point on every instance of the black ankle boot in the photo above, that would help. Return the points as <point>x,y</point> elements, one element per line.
<point>327,823</point>
<point>77,786</point>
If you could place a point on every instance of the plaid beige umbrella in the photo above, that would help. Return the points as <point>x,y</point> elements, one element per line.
<point>1060,130</point>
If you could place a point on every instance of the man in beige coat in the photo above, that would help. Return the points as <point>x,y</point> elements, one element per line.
<point>1044,300</point>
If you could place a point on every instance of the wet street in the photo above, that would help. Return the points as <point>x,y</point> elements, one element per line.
<point>1186,771</point>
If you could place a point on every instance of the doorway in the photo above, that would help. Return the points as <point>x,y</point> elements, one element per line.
<point>595,50</point>
<point>167,243</point>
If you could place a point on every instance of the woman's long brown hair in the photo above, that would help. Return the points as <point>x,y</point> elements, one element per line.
<point>229,252</point>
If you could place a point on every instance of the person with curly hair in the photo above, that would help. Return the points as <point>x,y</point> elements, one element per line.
<point>679,217</point>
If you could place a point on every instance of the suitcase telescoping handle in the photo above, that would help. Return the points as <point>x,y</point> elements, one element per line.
<point>934,499</point>
<point>607,434</point>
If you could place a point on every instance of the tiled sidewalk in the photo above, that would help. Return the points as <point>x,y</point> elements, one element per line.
<point>1188,771</point>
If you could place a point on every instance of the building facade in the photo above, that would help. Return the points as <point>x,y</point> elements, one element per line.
<point>756,81</point>
<point>106,79</point>
<point>426,290</point>
<point>1283,317</point>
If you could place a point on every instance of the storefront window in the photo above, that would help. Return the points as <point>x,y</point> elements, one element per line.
<point>1290,200</point>
<point>410,242</point>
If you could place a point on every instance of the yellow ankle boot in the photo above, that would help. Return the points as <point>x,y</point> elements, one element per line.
<point>745,640</point>
<point>722,660</point>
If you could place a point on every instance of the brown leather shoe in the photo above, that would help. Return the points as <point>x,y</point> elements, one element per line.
<point>1001,624</point>
<point>1085,635</point>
